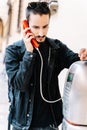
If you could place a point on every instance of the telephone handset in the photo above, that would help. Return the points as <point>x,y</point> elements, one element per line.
<point>33,41</point>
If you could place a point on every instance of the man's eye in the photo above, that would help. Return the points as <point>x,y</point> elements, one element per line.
<point>36,27</point>
<point>45,26</point>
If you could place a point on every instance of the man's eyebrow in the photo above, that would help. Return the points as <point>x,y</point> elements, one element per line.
<point>45,25</point>
<point>36,26</point>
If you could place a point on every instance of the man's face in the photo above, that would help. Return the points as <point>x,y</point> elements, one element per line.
<point>39,26</point>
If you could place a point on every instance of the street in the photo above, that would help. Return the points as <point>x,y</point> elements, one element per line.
<point>3,96</point>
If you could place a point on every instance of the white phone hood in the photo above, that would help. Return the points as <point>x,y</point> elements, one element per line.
<point>75,97</point>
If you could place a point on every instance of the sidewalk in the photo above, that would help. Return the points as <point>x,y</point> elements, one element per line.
<point>3,96</point>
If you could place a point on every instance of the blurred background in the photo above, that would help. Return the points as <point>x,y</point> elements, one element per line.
<point>68,24</point>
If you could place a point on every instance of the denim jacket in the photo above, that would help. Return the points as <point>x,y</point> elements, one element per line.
<point>21,80</point>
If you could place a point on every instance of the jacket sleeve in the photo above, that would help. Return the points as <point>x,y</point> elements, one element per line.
<point>70,56</point>
<point>19,71</point>
<point>67,56</point>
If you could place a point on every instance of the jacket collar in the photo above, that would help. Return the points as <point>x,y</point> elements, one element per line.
<point>54,43</point>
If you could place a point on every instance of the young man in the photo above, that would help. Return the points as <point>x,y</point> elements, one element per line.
<point>29,69</point>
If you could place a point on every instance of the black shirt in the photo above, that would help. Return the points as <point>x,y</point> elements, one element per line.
<point>41,114</point>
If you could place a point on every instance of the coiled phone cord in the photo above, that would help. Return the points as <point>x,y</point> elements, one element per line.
<point>41,91</point>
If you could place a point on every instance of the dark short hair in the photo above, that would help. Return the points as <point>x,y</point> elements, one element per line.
<point>37,8</point>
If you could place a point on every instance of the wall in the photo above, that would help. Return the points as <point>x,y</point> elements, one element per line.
<point>70,26</point>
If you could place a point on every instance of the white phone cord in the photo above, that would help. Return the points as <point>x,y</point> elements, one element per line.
<point>48,101</point>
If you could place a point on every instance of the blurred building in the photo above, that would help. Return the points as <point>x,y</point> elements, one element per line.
<point>12,12</point>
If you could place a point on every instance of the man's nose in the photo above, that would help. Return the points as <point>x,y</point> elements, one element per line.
<point>41,32</point>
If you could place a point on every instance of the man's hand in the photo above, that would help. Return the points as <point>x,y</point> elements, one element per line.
<point>27,39</point>
<point>83,54</point>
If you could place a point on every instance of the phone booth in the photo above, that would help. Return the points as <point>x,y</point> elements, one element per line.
<point>75,97</point>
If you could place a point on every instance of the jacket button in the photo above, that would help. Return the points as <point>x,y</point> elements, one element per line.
<point>27,115</point>
<point>31,84</point>
<point>31,55</point>
<point>29,100</point>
